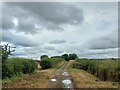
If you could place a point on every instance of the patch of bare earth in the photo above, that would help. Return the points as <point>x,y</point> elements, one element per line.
<point>83,79</point>
<point>37,80</point>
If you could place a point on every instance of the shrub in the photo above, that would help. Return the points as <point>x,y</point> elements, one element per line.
<point>28,67</point>
<point>45,64</point>
<point>18,68</point>
<point>7,71</point>
<point>44,56</point>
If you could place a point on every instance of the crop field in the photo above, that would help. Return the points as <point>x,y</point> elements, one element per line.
<point>106,70</point>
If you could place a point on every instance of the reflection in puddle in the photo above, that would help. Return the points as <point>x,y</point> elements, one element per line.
<point>65,73</point>
<point>53,80</point>
<point>66,82</point>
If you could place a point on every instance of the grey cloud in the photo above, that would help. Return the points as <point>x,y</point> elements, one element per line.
<point>26,25</point>
<point>56,17</point>
<point>50,15</point>
<point>19,53</point>
<point>10,37</point>
<point>57,41</point>
<point>105,42</point>
<point>99,53</point>
<point>93,53</point>
<point>59,51</point>
<point>7,22</point>
<point>26,22</point>
<point>53,27</point>
<point>119,15</point>
<point>32,50</point>
<point>49,48</point>
<point>39,50</point>
<point>54,12</point>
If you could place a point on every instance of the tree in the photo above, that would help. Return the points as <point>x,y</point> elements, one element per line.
<point>65,56</point>
<point>44,56</point>
<point>5,52</point>
<point>73,56</point>
<point>56,57</point>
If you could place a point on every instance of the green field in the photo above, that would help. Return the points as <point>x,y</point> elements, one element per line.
<point>103,69</point>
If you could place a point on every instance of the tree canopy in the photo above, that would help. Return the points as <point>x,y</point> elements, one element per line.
<point>65,56</point>
<point>73,56</point>
<point>69,57</point>
<point>44,56</point>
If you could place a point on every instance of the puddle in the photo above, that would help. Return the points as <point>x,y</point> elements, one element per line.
<point>53,80</point>
<point>66,82</point>
<point>65,73</point>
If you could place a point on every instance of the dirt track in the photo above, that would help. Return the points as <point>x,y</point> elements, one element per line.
<point>61,78</point>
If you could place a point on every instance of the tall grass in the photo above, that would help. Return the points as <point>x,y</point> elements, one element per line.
<point>103,69</point>
<point>16,66</point>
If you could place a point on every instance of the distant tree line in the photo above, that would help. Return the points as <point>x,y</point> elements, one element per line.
<point>66,57</point>
<point>46,62</point>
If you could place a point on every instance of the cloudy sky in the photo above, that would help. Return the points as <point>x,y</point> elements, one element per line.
<point>89,29</point>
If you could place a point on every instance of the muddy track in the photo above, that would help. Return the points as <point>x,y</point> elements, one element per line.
<point>61,79</point>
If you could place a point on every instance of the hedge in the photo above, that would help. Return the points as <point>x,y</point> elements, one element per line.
<point>14,66</point>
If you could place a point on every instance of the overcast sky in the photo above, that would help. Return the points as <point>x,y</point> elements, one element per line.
<point>37,28</point>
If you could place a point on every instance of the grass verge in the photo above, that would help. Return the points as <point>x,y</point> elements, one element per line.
<point>83,79</point>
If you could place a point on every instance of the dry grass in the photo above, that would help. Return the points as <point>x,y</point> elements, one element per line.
<point>38,80</point>
<point>83,79</point>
